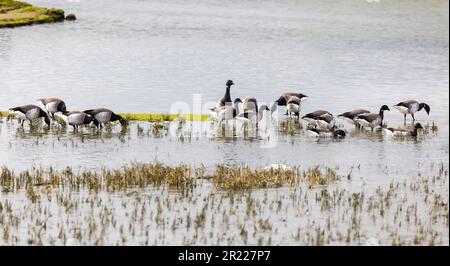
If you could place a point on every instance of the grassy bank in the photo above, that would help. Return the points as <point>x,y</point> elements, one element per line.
<point>151,117</point>
<point>163,117</point>
<point>16,14</point>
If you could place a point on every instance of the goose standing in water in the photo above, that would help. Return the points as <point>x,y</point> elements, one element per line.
<point>250,104</point>
<point>293,106</point>
<point>351,115</point>
<point>411,107</point>
<point>53,105</point>
<point>402,132</point>
<point>325,133</point>
<point>284,98</point>
<point>226,113</point>
<point>76,118</point>
<point>226,100</point>
<point>103,115</point>
<point>29,112</point>
<point>249,117</point>
<point>321,119</point>
<point>372,120</point>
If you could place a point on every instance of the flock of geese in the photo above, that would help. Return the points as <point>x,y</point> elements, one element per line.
<point>51,107</point>
<point>321,123</point>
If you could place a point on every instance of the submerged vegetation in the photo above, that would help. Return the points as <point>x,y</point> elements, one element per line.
<point>122,207</point>
<point>15,14</point>
<point>181,177</point>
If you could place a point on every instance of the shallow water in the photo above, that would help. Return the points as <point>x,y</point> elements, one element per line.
<point>142,56</point>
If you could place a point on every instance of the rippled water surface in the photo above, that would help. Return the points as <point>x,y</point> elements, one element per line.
<point>142,56</point>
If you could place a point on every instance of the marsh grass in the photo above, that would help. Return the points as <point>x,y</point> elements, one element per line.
<point>56,209</point>
<point>164,117</point>
<point>181,177</point>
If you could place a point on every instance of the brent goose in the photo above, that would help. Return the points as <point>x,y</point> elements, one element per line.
<point>372,120</point>
<point>325,133</point>
<point>320,118</point>
<point>410,107</point>
<point>293,106</point>
<point>351,115</point>
<point>29,112</point>
<point>76,118</point>
<point>250,104</point>
<point>103,115</point>
<point>402,132</point>
<point>248,117</point>
<point>284,98</point>
<point>227,112</point>
<point>227,97</point>
<point>53,105</point>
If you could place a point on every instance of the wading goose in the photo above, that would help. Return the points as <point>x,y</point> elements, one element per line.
<point>53,105</point>
<point>29,112</point>
<point>250,104</point>
<point>320,118</point>
<point>76,118</point>
<point>103,115</point>
<point>249,117</point>
<point>293,106</point>
<point>226,112</point>
<point>402,132</point>
<point>325,133</point>
<point>225,101</point>
<point>227,97</point>
<point>351,115</point>
<point>284,98</point>
<point>372,120</point>
<point>411,107</point>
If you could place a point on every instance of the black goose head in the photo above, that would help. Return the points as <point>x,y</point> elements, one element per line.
<point>115,117</point>
<point>237,100</point>
<point>281,101</point>
<point>384,108</point>
<point>418,126</point>
<point>61,107</point>
<point>88,119</point>
<point>339,133</point>
<point>229,83</point>
<point>44,114</point>
<point>425,106</point>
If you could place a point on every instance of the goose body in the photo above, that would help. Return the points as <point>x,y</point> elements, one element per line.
<point>371,120</point>
<point>402,132</point>
<point>411,107</point>
<point>320,118</point>
<point>250,104</point>
<point>76,118</point>
<point>29,112</point>
<point>293,105</point>
<point>284,98</point>
<point>103,115</point>
<point>53,105</point>
<point>325,133</point>
<point>228,112</point>
<point>249,117</point>
<point>351,115</point>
